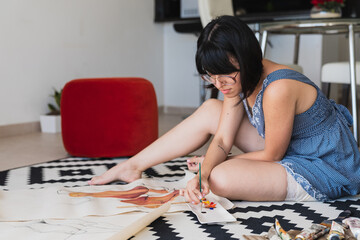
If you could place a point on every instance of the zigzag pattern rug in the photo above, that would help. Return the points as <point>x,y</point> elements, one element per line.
<point>252,217</point>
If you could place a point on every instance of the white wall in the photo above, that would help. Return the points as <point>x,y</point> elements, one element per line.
<point>181,82</point>
<point>182,85</point>
<point>45,43</point>
<point>180,79</point>
<point>310,53</point>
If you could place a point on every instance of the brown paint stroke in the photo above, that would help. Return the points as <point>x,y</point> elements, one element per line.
<point>147,200</point>
<point>128,194</point>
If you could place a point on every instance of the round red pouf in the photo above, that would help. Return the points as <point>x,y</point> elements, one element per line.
<point>108,117</point>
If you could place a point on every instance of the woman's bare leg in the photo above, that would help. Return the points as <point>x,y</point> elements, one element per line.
<point>189,135</point>
<point>183,139</point>
<point>250,180</point>
<point>247,140</point>
<point>243,179</point>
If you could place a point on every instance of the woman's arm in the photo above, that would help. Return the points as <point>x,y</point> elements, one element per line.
<point>279,106</point>
<point>230,120</point>
<point>220,146</point>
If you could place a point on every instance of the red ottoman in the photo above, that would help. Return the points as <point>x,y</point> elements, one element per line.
<point>108,117</point>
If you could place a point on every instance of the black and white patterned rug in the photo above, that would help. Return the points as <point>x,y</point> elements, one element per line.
<point>252,217</point>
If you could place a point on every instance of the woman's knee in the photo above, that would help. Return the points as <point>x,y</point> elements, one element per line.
<point>218,181</point>
<point>211,105</point>
<point>209,113</point>
<point>242,179</point>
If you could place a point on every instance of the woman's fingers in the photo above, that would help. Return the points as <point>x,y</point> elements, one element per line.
<point>193,162</point>
<point>192,192</point>
<point>192,196</point>
<point>195,196</point>
<point>191,187</point>
<point>205,189</point>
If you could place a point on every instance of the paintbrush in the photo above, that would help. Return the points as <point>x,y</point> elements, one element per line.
<point>200,177</point>
<point>201,203</point>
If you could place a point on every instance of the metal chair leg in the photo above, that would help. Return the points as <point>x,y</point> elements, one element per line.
<point>325,88</point>
<point>345,94</point>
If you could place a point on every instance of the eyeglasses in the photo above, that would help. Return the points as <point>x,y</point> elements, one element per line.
<point>223,79</point>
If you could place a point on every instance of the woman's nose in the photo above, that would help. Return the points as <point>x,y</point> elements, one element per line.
<point>218,84</point>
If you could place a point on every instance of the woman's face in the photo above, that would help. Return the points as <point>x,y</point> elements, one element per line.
<point>228,84</point>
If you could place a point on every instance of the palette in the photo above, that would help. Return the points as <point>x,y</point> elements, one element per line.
<point>211,215</point>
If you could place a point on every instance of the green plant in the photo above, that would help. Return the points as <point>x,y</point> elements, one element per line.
<point>328,4</point>
<point>55,109</point>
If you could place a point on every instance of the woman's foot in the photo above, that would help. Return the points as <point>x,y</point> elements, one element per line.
<point>193,163</point>
<point>123,171</point>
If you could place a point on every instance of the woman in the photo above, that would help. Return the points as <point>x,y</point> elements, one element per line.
<point>297,144</point>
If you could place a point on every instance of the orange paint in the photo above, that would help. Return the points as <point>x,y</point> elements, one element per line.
<point>208,204</point>
<point>132,193</point>
<point>147,200</point>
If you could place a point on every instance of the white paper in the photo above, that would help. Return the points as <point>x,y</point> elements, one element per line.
<point>55,202</point>
<point>89,228</point>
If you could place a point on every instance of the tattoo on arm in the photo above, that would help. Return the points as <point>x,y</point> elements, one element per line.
<point>222,149</point>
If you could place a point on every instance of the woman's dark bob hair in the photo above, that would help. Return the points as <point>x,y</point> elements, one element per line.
<point>224,40</point>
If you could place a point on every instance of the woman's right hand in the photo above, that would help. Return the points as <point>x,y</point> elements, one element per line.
<point>192,192</point>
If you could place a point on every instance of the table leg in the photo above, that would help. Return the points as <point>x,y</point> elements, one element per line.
<point>296,49</point>
<point>353,79</point>
<point>263,42</point>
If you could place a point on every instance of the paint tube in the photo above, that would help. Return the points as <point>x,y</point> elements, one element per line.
<point>281,232</point>
<point>321,233</point>
<point>354,225</point>
<point>339,219</point>
<point>272,234</point>
<point>336,232</point>
<point>314,232</point>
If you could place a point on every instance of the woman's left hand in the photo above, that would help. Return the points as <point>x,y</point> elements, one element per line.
<point>192,191</point>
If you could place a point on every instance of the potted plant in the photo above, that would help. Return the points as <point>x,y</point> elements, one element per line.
<point>326,8</point>
<point>51,122</point>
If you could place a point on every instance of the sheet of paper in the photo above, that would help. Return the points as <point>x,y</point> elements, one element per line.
<point>77,202</point>
<point>89,228</point>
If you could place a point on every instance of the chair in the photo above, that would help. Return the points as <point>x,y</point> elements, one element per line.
<point>210,9</point>
<point>338,72</point>
<point>108,117</point>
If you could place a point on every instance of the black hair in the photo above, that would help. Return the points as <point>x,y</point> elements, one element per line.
<point>224,40</point>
